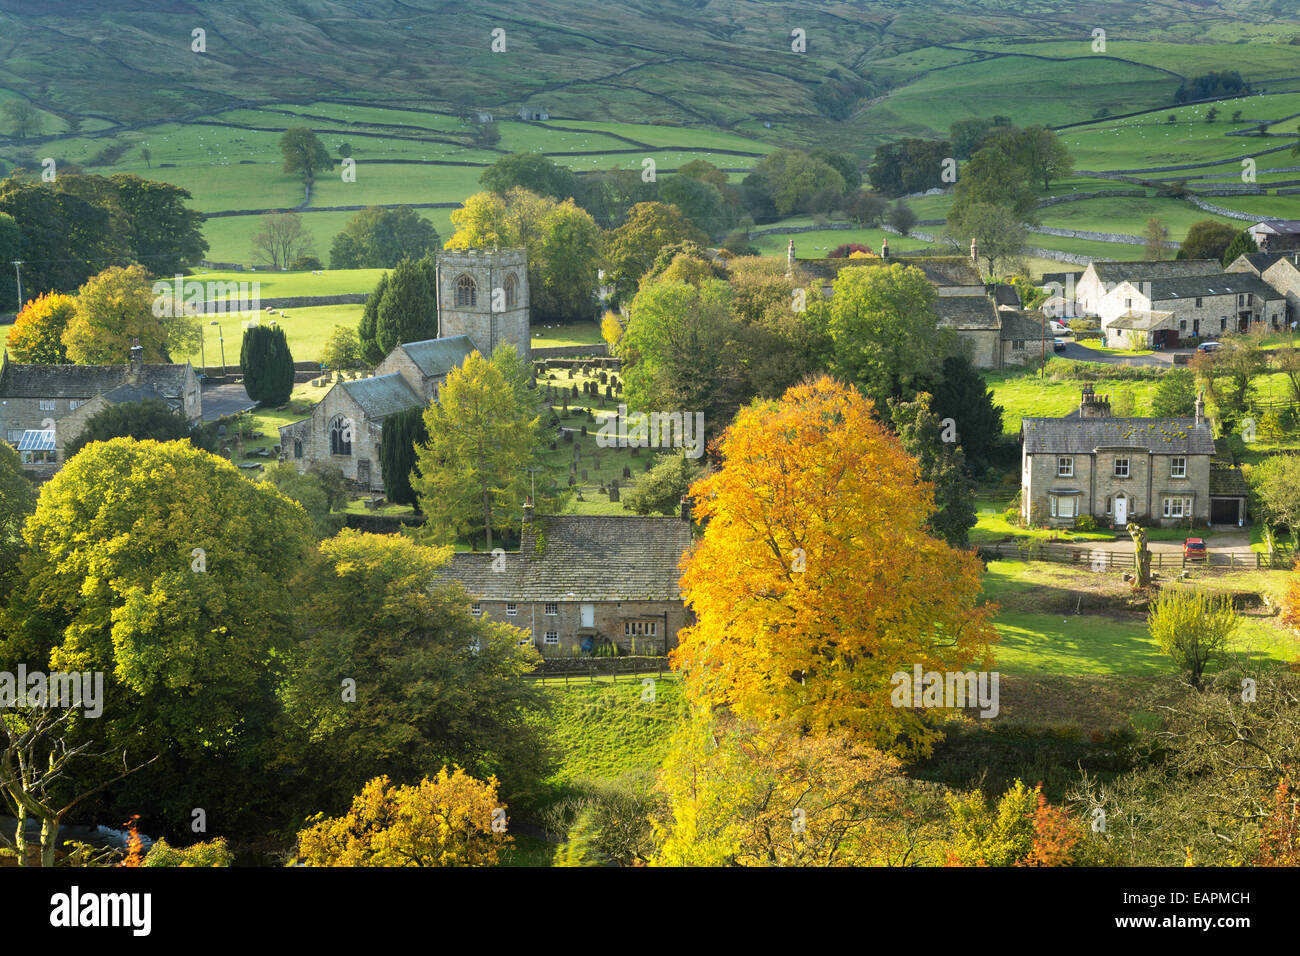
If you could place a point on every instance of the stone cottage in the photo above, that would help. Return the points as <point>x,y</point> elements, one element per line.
<point>1116,469</point>
<point>46,407</point>
<point>578,581</point>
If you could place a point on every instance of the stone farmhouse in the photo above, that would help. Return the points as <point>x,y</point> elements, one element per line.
<point>1276,235</point>
<point>1156,470</point>
<point>994,332</point>
<point>578,581</point>
<point>44,408</point>
<point>1279,270</point>
<point>482,303</point>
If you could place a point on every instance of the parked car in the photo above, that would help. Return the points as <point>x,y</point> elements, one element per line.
<point>1208,347</point>
<point>1059,328</point>
<point>1058,345</point>
<point>1194,548</point>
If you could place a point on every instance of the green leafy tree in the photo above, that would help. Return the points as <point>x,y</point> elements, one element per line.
<point>403,431</point>
<point>24,119</point>
<point>65,237</point>
<point>150,419</point>
<point>1000,235</point>
<point>377,238</point>
<point>634,246</point>
<point>304,154</point>
<point>114,310</point>
<point>343,348</point>
<point>1193,627</point>
<point>661,489</point>
<point>942,463</point>
<point>473,472</point>
<point>267,364</point>
<point>994,176</point>
<point>1242,244</point>
<point>157,226</point>
<point>1175,395</point>
<point>788,179</point>
<point>532,171</point>
<point>17,502</point>
<point>407,309</point>
<point>307,488</point>
<point>901,217</point>
<point>1275,486</point>
<point>435,684</point>
<point>1207,239</point>
<point>11,245</point>
<point>368,329</point>
<point>885,335</point>
<point>177,591</point>
<point>1043,153</point>
<point>700,202</point>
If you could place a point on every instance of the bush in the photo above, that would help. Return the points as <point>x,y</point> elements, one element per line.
<point>1085,523</point>
<point>306,264</point>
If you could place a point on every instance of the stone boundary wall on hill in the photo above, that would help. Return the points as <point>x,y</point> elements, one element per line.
<point>571,351</point>
<point>1096,194</point>
<point>1221,211</point>
<point>1097,236</point>
<point>297,302</point>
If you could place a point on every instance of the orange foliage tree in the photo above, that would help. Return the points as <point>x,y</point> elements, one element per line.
<point>816,579</point>
<point>37,334</point>
<point>1280,830</point>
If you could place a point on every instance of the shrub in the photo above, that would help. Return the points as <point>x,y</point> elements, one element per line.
<point>1085,523</point>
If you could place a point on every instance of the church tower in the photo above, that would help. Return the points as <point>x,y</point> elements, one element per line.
<point>484,294</point>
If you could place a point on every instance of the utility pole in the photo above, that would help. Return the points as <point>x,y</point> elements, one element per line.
<point>1042,370</point>
<point>19,273</point>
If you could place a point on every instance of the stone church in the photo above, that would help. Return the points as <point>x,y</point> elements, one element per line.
<point>482,303</point>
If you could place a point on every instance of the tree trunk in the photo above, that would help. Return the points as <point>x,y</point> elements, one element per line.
<point>20,836</point>
<point>49,839</point>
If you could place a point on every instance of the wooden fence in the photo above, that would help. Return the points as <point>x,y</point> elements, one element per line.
<point>1105,560</point>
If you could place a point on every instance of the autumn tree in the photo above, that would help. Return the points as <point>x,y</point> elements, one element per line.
<point>1155,235</point>
<point>309,489</point>
<point>1022,829</point>
<point>114,310</point>
<point>1193,627</point>
<point>37,334</point>
<point>816,578</point>
<point>635,244</point>
<point>446,821</point>
<point>473,472</point>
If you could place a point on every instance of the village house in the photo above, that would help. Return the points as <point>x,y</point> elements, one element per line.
<point>580,581</point>
<point>44,408</point>
<point>1276,235</point>
<point>1162,311</point>
<point>482,303</point>
<point>1118,470</point>
<point>1279,270</point>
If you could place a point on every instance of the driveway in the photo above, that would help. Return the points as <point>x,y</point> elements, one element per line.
<point>1226,539</point>
<point>222,400</point>
<point>1163,358</point>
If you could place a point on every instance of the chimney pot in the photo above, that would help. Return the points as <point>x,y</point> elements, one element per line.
<point>686,508</point>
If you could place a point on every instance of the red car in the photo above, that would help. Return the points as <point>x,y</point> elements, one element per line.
<point>1195,548</point>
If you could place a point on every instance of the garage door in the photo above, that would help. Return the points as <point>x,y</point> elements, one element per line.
<point>1224,510</point>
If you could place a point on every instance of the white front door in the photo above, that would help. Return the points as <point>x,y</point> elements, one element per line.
<point>588,615</point>
<point>1121,510</point>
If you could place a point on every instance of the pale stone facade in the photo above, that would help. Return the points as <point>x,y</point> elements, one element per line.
<point>484,295</point>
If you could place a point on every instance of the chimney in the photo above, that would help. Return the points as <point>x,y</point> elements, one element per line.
<point>528,511</point>
<point>789,255</point>
<point>1092,405</point>
<point>137,362</point>
<point>686,508</point>
<point>884,248</point>
<point>974,252</point>
<point>1200,406</point>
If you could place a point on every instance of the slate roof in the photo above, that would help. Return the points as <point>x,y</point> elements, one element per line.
<point>1140,320</point>
<point>1060,278</point>
<point>941,270</point>
<point>382,395</point>
<point>86,381</point>
<point>1018,325</point>
<point>1281,226</point>
<point>584,558</point>
<point>127,393</point>
<point>1082,436</point>
<point>1259,262</point>
<point>1221,283</point>
<point>1114,273</point>
<point>1004,294</point>
<point>436,357</point>
<point>967,312</point>
<point>1227,483</point>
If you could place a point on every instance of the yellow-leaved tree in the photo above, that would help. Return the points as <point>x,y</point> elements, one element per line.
<point>816,579</point>
<point>446,821</point>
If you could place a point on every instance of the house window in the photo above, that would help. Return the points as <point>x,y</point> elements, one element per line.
<point>512,291</point>
<point>1017,345</point>
<point>15,435</point>
<point>1182,325</point>
<point>47,404</point>
<point>341,436</point>
<point>1065,466</point>
<point>1109,505</point>
<point>640,628</point>
<point>552,637</point>
<point>476,609</point>
<point>1180,507</point>
<point>1121,467</point>
<point>1198,302</point>
<point>297,448</point>
<point>74,404</point>
<point>552,608</point>
<point>1063,506</point>
<point>1128,303</point>
<point>1178,467</point>
<point>466,292</point>
<point>512,610</point>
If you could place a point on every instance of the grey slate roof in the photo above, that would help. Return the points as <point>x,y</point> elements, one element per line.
<point>1017,326</point>
<point>1082,436</point>
<point>941,270</point>
<point>967,312</point>
<point>584,558</point>
<point>436,357</point>
<point>1004,294</point>
<point>1140,319</point>
<point>86,381</point>
<point>1117,272</point>
<point>1220,283</point>
<point>382,395</point>
<point>127,393</point>
<point>1227,483</point>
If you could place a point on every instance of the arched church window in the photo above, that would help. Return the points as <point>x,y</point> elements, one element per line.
<point>340,435</point>
<point>512,291</point>
<point>466,292</point>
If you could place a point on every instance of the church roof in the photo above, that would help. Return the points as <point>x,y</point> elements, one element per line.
<point>435,357</point>
<point>383,395</point>
<point>582,558</point>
